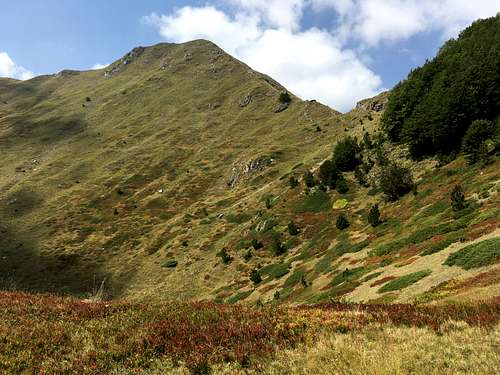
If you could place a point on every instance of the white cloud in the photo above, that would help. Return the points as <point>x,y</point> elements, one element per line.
<point>371,22</point>
<point>9,69</point>
<point>99,66</point>
<point>315,63</point>
<point>310,63</point>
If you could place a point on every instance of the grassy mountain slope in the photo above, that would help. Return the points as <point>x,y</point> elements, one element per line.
<point>140,174</point>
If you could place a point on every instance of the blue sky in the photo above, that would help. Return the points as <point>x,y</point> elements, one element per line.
<point>336,51</point>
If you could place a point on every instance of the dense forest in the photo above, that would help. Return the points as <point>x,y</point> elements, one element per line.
<point>434,107</point>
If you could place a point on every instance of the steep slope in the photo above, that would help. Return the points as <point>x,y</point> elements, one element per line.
<point>166,176</point>
<point>99,168</point>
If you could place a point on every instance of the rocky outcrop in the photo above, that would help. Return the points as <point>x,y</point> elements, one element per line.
<point>375,104</point>
<point>244,170</point>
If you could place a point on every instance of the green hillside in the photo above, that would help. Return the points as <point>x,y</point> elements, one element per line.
<point>177,173</point>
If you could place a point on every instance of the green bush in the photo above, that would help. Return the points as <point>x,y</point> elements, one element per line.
<point>224,256</point>
<point>169,263</point>
<point>328,174</point>
<point>457,198</point>
<point>345,154</point>
<point>277,247</point>
<point>256,244</point>
<point>374,216</point>
<point>342,187</point>
<point>293,182</point>
<point>360,176</point>
<point>309,179</point>
<point>404,281</point>
<point>342,223</point>
<point>476,255</point>
<point>395,181</point>
<point>255,276</point>
<point>292,229</point>
<point>285,97</point>
<point>475,137</point>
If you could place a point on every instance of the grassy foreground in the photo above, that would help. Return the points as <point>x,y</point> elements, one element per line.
<point>45,334</point>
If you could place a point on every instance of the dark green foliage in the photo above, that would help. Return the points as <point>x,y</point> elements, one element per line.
<point>185,243</point>
<point>404,281</point>
<point>292,229</point>
<point>434,106</point>
<point>224,256</point>
<point>360,176</point>
<point>345,154</point>
<point>285,97</point>
<point>329,173</point>
<point>169,263</point>
<point>457,198</point>
<point>342,223</point>
<point>309,180</point>
<point>304,282</point>
<point>293,182</point>
<point>315,202</point>
<point>342,187</point>
<point>367,141</point>
<point>473,144</point>
<point>374,216</point>
<point>395,181</point>
<point>276,296</point>
<point>256,244</point>
<point>255,276</point>
<point>277,247</point>
<point>476,255</point>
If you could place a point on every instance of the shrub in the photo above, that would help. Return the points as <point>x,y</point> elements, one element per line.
<point>342,223</point>
<point>476,255</point>
<point>328,173</point>
<point>224,256</point>
<point>395,181</point>
<point>475,137</point>
<point>256,244</point>
<point>374,216</point>
<point>309,180</point>
<point>367,141</point>
<point>360,176</point>
<point>293,182</point>
<point>277,247</point>
<point>404,281</point>
<point>169,263</point>
<point>292,229</point>
<point>255,276</point>
<point>342,186</point>
<point>345,154</point>
<point>457,198</point>
<point>285,97</point>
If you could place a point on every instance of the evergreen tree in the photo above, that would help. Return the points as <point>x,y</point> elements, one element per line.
<point>309,179</point>
<point>473,144</point>
<point>293,182</point>
<point>255,276</point>
<point>342,223</point>
<point>292,229</point>
<point>395,181</point>
<point>457,198</point>
<point>345,154</point>
<point>328,174</point>
<point>342,186</point>
<point>432,109</point>
<point>374,216</point>
<point>224,256</point>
